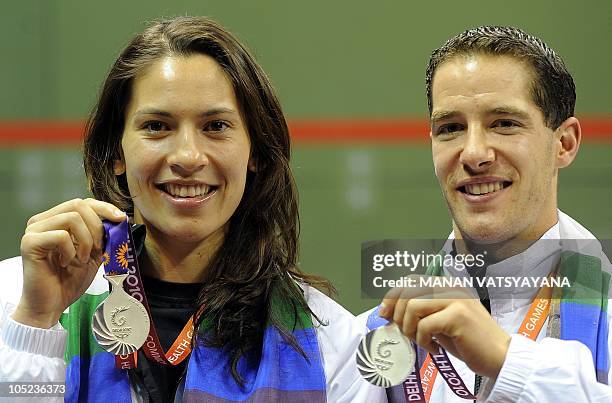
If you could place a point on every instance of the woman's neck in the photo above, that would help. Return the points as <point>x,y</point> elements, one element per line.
<point>177,262</point>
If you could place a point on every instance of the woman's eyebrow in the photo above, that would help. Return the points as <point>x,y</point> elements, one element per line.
<point>218,111</point>
<point>209,112</point>
<point>152,111</point>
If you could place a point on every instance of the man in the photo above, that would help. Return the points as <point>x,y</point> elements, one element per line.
<point>501,105</point>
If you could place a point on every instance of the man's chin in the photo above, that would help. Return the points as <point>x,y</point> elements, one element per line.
<point>484,237</point>
<point>483,231</point>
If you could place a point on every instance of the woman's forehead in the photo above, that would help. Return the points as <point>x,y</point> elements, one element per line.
<point>186,83</point>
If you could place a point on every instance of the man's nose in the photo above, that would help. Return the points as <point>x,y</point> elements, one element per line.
<point>189,154</point>
<point>477,154</point>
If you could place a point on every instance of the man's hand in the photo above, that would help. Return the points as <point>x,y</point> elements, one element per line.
<point>452,318</point>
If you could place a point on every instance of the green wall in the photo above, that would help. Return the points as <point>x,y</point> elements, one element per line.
<point>327,59</point>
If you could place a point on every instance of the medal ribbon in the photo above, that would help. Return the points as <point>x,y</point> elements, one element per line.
<point>119,238</point>
<point>531,327</point>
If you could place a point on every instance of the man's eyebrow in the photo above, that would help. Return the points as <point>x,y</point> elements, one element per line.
<point>210,112</point>
<point>501,110</point>
<point>442,115</point>
<point>509,110</point>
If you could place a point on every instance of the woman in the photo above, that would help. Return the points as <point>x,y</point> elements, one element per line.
<point>189,139</point>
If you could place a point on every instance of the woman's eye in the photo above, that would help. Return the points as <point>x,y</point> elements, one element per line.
<point>216,126</point>
<point>155,127</point>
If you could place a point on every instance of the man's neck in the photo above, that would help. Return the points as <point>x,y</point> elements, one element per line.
<point>494,252</point>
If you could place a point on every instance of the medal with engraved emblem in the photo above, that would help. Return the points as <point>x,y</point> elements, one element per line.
<point>385,357</point>
<point>120,323</point>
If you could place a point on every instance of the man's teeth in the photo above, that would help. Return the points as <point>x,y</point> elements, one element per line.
<point>483,188</point>
<point>186,190</point>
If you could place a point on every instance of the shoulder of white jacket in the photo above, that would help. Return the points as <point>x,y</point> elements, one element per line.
<point>323,306</point>
<point>16,260</point>
<point>10,262</point>
<point>572,229</point>
<point>364,317</point>
<point>11,280</point>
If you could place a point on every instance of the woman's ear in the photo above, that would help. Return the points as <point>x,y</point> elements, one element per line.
<point>252,165</point>
<point>119,167</point>
<point>568,137</point>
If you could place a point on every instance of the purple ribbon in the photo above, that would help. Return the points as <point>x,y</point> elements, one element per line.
<point>413,390</point>
<point>118,253</point>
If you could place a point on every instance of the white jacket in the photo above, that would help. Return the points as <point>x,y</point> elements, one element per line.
<point>544,371</point>
<point>32,354</point>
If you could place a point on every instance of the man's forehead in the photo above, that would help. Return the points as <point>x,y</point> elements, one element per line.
<point>495,83</point>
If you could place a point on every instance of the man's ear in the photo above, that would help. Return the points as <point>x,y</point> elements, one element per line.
<point>119,167</point>
<point>567,141</point>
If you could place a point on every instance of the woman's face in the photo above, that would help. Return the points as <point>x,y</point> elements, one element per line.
<point>186,149</point>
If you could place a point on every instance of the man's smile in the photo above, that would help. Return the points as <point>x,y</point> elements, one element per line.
<point>482,186</point>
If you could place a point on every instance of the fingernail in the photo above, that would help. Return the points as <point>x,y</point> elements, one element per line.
<point>382,312</point>
<point>119,213</point>
<point>84,258</point>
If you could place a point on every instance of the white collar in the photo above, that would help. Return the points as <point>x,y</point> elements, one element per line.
<point>536,261</point>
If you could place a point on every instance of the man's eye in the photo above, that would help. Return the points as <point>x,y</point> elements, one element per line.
<point>216,126</point>
<point>450,128</point>
<point>505,123</point>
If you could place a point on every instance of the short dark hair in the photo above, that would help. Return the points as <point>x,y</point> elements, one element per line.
<point>553,89</point>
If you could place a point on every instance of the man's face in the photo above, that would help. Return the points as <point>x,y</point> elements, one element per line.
<point>493,154</point>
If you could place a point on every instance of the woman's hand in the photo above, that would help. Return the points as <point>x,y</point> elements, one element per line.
<point>61,252</point>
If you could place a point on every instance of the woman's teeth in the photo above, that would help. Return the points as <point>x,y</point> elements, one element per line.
<point>186,190</point>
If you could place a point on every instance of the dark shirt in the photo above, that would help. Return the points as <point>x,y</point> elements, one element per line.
<point>171,306</point>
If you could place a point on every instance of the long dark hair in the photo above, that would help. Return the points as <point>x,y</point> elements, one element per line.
<point>258,258</point>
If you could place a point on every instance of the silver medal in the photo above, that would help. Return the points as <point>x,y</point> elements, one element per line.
<point>385,357</point>
<point>120,323</point>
